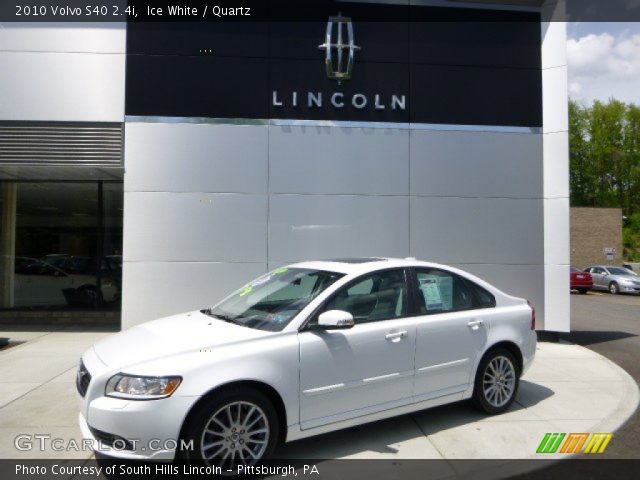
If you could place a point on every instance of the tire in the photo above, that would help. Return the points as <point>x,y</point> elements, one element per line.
<point>495,401</point>
<point>223,441</point>
<point>614,289</point>
<point>583,291</point>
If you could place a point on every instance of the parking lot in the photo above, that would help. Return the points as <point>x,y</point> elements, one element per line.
<point>610,325</point>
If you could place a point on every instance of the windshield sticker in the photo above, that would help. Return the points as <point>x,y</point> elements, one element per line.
<point>281,270</point>
<point>246,291</point>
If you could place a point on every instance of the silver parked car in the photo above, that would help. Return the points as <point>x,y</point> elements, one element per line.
<point>614,279</point>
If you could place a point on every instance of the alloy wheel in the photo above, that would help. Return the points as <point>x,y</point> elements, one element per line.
<point>237,433</point>
<point>499,381</point>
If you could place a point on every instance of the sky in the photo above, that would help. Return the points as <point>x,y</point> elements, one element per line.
<point>604,61</point>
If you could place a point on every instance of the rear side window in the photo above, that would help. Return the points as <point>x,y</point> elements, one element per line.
<point>482,297</point>
<point>440,291</point>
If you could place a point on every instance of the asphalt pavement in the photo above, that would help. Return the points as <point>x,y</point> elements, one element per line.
<point>610,325</point>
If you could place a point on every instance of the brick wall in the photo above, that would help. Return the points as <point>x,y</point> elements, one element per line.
<point>592,230</point>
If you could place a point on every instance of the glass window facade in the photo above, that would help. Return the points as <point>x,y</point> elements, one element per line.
<point>61,245</point>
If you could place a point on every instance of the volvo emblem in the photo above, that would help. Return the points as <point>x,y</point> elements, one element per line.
<point>339,67</point>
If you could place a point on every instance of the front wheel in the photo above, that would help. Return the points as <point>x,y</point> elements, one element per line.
<point>238,427</point>
<point>583,291</point>
<point>496,382</point>
<point>613,288</point>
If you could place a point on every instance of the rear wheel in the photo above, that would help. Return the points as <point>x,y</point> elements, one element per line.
<point>613,288</point>
<point>583,291</point>
<point>497,381</point>
<point>238,427</point>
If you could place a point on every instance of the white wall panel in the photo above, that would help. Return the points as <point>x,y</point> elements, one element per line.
<point>62,86</point>
<point>156,289</point>
<point>63,37</point>
<point>477,230</point>
<point>557,306</point>
<point>556,165</point>
<point>187,227</point>
<point>476,164</point>
<point>555,106</point>
<point>554,43</point>
<point>556,227</point>
<point>334,160</point>
<point>183,157</point>
<point>303,227</point>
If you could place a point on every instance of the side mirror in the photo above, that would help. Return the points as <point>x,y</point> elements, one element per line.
<point>335,320</point>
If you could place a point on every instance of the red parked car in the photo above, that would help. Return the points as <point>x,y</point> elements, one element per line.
<point>581,281</point>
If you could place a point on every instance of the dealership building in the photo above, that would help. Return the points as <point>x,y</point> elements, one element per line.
<point>155,167</point>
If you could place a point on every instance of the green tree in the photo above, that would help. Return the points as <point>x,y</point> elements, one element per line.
<point>604,143</point>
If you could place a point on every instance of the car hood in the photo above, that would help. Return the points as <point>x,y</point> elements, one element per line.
<point>169,336</point>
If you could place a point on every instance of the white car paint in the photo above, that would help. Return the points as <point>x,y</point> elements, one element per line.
<point>327,380</point>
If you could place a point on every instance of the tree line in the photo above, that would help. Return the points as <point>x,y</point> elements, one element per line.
<point>604,143</point>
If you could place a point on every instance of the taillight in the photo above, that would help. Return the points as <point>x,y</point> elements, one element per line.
<point>533,315</point>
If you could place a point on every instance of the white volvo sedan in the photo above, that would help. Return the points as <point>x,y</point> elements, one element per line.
<point>303,350</point>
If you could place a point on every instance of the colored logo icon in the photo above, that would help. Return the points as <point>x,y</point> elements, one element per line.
<point>574,443</point>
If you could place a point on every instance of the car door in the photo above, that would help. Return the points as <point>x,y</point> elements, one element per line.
<point>451,331</point>
<point>367,368</point>
<point>598,275</point>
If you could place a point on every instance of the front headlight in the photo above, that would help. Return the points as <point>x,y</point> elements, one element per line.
<point>141,388</point>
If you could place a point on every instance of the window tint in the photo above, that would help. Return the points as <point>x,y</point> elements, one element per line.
<point>440,291</point>
<point>482,298</point>
<point>381,296</point>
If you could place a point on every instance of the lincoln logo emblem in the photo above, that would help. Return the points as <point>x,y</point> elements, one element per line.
<point>340,67</point>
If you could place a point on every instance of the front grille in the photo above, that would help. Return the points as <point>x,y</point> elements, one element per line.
<point>83,378</point>
<point>109,439</point>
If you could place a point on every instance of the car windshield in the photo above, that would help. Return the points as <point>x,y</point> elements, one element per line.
<point>620,271</point>
<point>271,301</point>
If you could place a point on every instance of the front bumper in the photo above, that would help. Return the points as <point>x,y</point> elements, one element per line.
<point>98,446</point>
<point>629,289</point>
<point>150,428</point>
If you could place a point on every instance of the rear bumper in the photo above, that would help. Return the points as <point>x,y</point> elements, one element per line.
<point>529,350</point>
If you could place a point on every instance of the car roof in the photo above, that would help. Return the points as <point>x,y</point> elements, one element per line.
<point>365,264</point>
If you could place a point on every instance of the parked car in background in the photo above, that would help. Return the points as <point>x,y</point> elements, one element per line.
<point>581,281</point>
<point>614,279</point>
<point>40,284</point>
<point>634,267</point>
<point>305,349</point>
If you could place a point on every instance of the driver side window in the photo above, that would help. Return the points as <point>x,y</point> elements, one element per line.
<point>380,296</point>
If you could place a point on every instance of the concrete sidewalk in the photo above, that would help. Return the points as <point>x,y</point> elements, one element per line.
<point>568,389</point>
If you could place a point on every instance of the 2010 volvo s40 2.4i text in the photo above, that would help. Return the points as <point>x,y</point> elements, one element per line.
<point>305,349</point>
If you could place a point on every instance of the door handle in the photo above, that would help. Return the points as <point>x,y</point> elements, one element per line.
<point>475,324</point>
<point>396,336</point>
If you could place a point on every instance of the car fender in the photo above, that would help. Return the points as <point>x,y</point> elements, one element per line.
<point>271,360</point>
<point>512,325</point>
